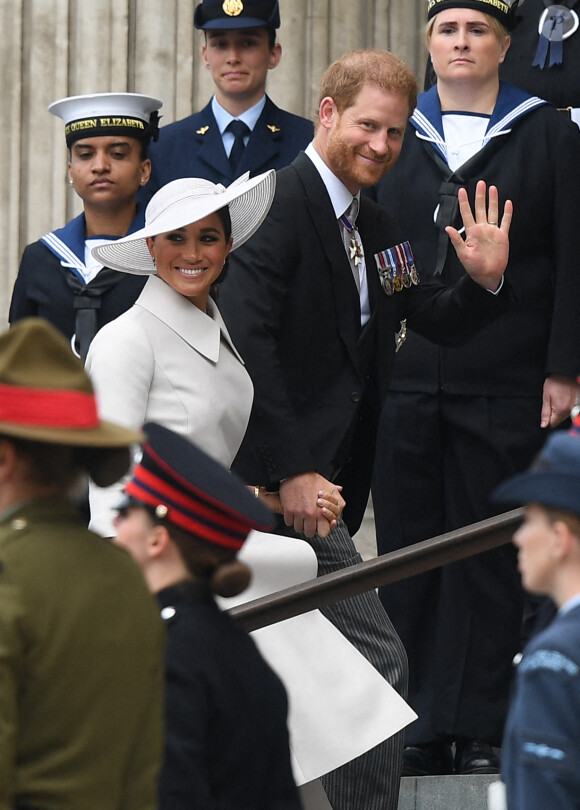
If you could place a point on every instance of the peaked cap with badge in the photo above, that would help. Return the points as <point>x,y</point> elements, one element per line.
<point>186,487</point>
<point>228,14</point>
<point>194,146</point>
<point>47,396</point>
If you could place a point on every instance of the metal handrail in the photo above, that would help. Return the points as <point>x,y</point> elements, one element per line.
<point>383,570</point>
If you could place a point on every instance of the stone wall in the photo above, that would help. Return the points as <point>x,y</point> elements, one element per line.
<point>54,48</point>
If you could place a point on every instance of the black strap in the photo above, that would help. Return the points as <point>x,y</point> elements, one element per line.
<point>239,130</point>
<point>87,300</point>
<point>448,210</point>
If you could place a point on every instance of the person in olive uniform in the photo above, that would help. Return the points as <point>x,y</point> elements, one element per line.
<point>183,518</point>
<point>81,643</point>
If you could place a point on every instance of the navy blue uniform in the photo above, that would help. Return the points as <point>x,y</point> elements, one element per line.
<point>541,747</point>
<point>43,286</point>
<point>226,736</point>
<point>193,147</point>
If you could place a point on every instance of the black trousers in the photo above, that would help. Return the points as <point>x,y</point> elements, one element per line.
<point>438,460</point>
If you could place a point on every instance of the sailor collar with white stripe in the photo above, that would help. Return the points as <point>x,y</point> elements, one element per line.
<point>68,243</point>
<point>512,103</point>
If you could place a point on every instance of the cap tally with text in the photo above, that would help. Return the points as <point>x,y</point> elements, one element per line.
<point>228,14</point>
<point>186,487</point>
<point>89,116</point>
<point>502,10</point>
<point>47,396</point>
<point>553,480</point>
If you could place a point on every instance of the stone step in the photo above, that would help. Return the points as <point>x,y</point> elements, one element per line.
<point>445,792</point>
<point>421,793</point>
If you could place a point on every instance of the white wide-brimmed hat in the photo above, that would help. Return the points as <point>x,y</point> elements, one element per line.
<point>188,200</point>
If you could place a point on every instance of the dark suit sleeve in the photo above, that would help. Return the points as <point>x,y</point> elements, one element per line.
<point>252,301</point>
<point>451,315</point>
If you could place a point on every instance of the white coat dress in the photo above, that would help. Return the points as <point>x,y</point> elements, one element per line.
<point>166,361</point>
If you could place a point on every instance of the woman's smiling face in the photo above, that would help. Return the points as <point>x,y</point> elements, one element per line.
<point>190,259</point>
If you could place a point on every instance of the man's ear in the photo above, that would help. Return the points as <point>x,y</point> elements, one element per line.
<point>327,112</point>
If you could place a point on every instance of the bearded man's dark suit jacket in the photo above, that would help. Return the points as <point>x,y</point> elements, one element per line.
<point>193,147</point>
<point>292,308</point>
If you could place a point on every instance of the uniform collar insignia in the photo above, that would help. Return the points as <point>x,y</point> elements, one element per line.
<point>202,130</point>
<point>273,128</point>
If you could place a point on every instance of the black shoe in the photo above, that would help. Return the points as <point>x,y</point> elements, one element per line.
<point>475,756</point>
<point>428,759</point>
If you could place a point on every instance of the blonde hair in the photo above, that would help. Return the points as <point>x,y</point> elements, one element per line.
<point>346,77</point>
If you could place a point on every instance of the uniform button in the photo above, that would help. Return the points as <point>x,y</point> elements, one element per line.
<point>167,613</point>
<point>18,524</point>
<point>517,659</point>
<point>355,396</point>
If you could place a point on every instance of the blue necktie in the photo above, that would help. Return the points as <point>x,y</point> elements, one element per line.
<point>239,129</point>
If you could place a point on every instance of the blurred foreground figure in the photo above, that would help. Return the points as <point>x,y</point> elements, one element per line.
<point>541,742</point>
<point>80,638</point>
<point>183,518</point>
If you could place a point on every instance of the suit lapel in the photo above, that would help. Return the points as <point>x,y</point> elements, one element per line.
<point>263,144</point>
<point>346,300</point>
<point>209,146</point>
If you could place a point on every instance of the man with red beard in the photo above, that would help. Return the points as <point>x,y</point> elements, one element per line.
<point>313,302</point>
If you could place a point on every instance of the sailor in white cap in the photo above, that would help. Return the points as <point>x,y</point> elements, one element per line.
<point>107,135</point>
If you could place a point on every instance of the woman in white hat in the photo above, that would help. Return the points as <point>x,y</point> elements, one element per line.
<point>459,420</point>
<point>107,135</point>
<point>170,359</point>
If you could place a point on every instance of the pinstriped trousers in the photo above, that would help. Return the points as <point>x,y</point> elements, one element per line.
<point>371,781</point>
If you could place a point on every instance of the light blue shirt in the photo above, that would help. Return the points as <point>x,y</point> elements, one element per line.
<point>224,118</point>
<point>341,198</point>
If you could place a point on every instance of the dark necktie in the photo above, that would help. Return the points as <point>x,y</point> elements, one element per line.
<point>239,129</point>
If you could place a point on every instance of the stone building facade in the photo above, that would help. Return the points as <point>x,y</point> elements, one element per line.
<point>54,48</point>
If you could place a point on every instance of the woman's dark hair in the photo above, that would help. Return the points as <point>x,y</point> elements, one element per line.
<point>226,221</point>
<point>217,566</point>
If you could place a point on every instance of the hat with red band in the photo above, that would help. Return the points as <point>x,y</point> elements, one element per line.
<point>186,487</point>
<point>47,396</point>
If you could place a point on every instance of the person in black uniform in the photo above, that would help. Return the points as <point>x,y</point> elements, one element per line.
<point>107,135</point>
<point>241,129</point>
<point>183,518</point>
<point>457,421</point>
<point>544,55</point>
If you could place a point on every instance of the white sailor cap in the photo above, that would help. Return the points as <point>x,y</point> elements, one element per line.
<point>96,114</point>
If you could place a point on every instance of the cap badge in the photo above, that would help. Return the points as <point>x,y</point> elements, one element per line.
<point>202,130</point>
<point>233,7</point>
